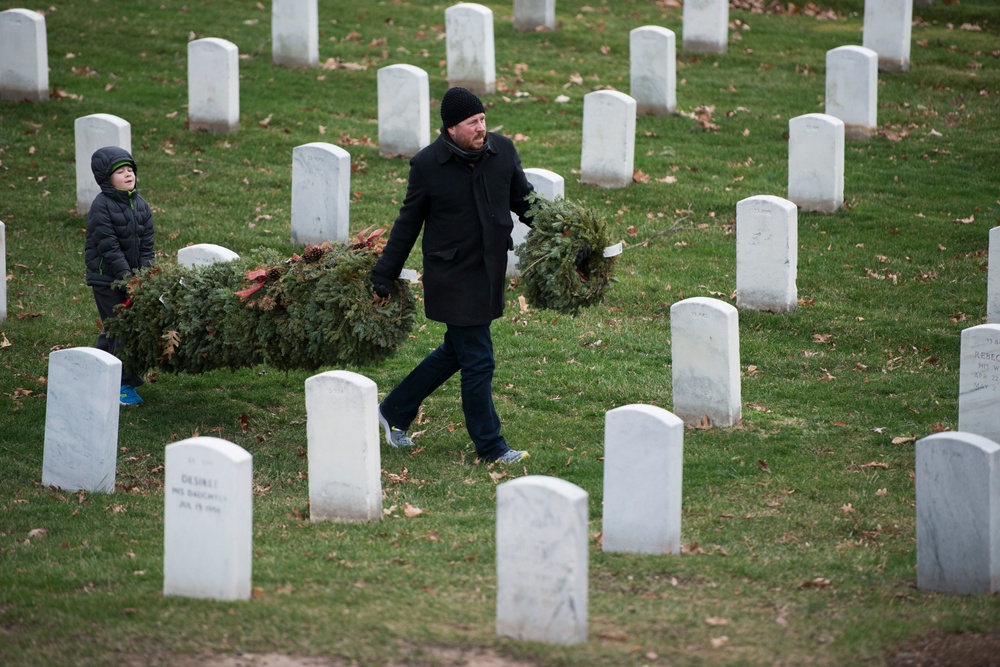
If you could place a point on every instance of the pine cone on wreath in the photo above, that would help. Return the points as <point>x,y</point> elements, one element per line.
<point>313,253</point>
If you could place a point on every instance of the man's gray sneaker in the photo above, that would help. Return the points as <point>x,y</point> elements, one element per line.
<point>513,456</point>
<point>394,436</point>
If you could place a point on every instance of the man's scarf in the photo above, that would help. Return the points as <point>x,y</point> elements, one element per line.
<point>471,156</point>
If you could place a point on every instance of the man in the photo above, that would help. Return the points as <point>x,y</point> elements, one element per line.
<point>461,191</point>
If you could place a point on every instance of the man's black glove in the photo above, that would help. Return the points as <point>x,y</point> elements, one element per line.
<point>381,285</point>
<point>581,261</point>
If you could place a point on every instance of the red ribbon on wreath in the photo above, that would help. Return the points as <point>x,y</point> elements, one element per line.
<point>259,276</point>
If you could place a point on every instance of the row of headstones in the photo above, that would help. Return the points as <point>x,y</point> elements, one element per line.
<point>213,89</point>
<point>321,171</point>
<point>82,428</point>
<point>541,522</point>
<point>208,481</point>
<point>816,161</point>
<point>81,420</point>
<point>886,29</point>
<point>766,252</point>
<point>766,230</point>
<point>213,84</point>
<point>816,141</point>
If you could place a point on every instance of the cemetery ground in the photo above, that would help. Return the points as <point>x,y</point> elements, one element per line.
<point>798,525</point>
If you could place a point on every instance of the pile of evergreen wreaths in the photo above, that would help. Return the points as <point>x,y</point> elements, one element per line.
<point>552,272</point>
<point>315,309</point>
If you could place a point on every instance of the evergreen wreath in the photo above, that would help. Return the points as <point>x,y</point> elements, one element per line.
<point>548,257</point>
<point>312,310</point>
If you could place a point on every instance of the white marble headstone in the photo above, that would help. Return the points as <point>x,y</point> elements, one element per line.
<point>607,157</point>
<point>470,48</point>
<point>979,381</point>
<point>705,25</point>
<point>548,185</point>
<point>404,117</point>
<point>643,473</point>
<point>90,133</point>
<point>653,70</point>
<point>852,89</point>
<point>993,278</point>
<point>213,85</point>
<point>705,361</point>
<point>321,193</point>
<point>531,15</point>
<point>345,482</point>
<point>81,420</point>
<point>887,29</point>
<point>958,513</point>
<point>24,56</point>
<point>203,254</point>
<point>541,538</point>
<point>207,519</point>
<point>767,254</point>
<point>816,162</point>
<point>295,33</point>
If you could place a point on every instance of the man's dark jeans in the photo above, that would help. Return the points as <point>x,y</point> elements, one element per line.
<point>465,349</point>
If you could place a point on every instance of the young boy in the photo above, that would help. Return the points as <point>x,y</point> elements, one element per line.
<point>119,240</point>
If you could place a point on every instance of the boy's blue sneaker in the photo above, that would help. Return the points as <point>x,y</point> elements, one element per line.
<point>128,396</point>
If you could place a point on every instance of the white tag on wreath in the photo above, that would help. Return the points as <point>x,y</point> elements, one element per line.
<point>613,250</point>
<point>410,275</point>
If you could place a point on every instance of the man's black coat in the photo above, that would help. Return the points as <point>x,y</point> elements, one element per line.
<point>465,215</point>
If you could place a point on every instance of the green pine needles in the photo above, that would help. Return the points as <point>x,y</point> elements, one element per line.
<point>548,257</point>
<point>309,311</point>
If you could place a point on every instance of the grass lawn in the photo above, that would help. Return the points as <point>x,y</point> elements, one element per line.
<point>798,525</point>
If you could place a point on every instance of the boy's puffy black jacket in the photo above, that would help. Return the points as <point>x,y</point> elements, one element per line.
<point>119,224</point>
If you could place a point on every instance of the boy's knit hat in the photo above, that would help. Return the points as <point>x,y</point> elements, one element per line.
<point>106,160</point>
<point>122,163</point>
<point>459,104</point>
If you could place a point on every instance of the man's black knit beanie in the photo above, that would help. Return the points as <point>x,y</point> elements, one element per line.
<point>457,105</point>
